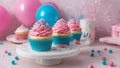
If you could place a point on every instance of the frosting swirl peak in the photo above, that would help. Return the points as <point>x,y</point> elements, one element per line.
<point>41,28</point>
<point>61,27</point>
<point>73,25</point>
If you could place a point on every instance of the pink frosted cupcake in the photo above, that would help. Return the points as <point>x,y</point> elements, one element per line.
<point>75,30</point>
<point>61,33</point>
<point>40,36</point>
<point>21,32</point>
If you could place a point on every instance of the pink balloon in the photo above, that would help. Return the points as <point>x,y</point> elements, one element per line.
<point>53,5</point>
<point>25,11</point>
<point>4,19</point>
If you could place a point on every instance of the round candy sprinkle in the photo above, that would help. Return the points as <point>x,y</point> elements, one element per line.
<point>111,64</point>
<point>16,58</point>
<point>104,62</point>
<point>98,51</point>
<point>110,51</point>
<point>105,49</point>
<point>92,54</point>
<point>103,58</point>
<point>90,66</point>
<point>6,51</point>
<point>1,43</point>
<point>92,51</point>
<point>9,53</point>
<point>13,62</point>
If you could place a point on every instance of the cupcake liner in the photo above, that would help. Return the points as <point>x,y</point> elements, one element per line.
<point>76,36</point>
<point>61,40</point>
<point>40,45</point>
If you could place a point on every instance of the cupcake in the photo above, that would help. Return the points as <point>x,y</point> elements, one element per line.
<point>61,33</point>
<point>40,36</point>
<point>75,30</point>
<point>21,33</point>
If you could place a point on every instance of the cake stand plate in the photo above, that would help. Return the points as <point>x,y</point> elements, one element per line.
<point>52,57</point>
<point>11,38</point>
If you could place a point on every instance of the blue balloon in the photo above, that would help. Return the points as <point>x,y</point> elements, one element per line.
<point>49,13</point>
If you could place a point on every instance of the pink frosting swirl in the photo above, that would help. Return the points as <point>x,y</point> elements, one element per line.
<point>41,28</point>
<point>73,25</point>
<point>61,27</point>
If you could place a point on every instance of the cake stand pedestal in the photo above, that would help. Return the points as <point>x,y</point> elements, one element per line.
<point>52,57</point>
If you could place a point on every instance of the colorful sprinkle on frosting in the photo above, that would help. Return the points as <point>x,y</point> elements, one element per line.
<point>41,28</point>
<point>61,27</point>
<point>73,25</point>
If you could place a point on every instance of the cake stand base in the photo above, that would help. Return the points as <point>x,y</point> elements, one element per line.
<point>48,61</point>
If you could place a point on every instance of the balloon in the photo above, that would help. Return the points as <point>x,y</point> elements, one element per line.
<point>25,11</point>
<point>53,5</point>
<point>49,13</point>
<point>4,19</point>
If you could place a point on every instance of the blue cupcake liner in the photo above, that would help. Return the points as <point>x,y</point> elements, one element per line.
<point>40,45</point>
<point>76,36</point>
<point>61,40</point>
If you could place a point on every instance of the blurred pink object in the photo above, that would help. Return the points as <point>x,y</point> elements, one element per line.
<point>111,64</point>
<point>90,66</point>
<point>4,19</point>
<point>61,46</point>
<point>105,49</point>
<point>110,40</point>
<point>103,58</point>
<point>76,42</point>
<point>115,32</point>
<point>25,11</point>
<point>6,51</point>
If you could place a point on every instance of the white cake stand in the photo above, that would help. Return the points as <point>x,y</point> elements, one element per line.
<point>51,57</point>
<point>11,38</point>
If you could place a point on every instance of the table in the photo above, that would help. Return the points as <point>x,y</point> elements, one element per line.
<point>80,61</point>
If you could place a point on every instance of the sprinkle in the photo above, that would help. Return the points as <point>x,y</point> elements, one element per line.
<point>98,51</point>
<point>90,66</point>
<point>103,58</point>
<point>104,62</point>
<point>16,58</point>
<point>92,51</point>
<point>1,43</point>
<point>85,34</point>
<point>105,49</point>
<point>6,51</point>
<point>110,51</point>
<point>92,54</point>
<point>13,62</point>
<point>111,64</point>
<point>80,16</point>
<point>9,53</point>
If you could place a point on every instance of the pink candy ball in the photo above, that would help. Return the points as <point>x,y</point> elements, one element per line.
<point>111,64</point>
<point>90,66</point>
<point>6,51</point>
<point>103,58</point>
<point>105,49</point>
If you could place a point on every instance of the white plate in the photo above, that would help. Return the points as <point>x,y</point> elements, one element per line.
<point>11,38</point>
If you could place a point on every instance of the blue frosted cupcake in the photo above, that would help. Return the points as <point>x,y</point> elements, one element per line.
<point>61,33</point>
<point>40,36</point>
<point>75,30</point>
